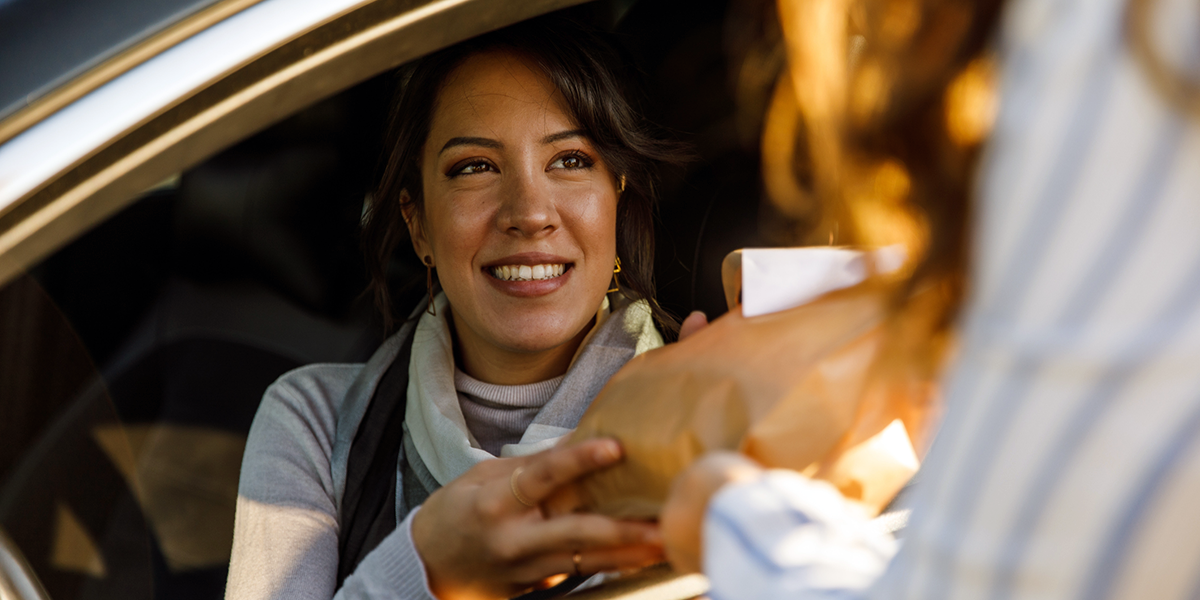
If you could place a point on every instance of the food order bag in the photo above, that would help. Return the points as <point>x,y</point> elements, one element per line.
<point>793,389</point>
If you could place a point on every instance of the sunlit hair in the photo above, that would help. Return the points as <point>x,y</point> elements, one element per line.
<point>891,99</point>
<point>871,139</point>
<point>883,106</point>
<point>595,82</point>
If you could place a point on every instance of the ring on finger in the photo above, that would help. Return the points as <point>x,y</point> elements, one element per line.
<point>577,559</point>
<point>516,489</point>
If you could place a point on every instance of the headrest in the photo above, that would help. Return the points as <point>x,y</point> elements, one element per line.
<point>283,207</point>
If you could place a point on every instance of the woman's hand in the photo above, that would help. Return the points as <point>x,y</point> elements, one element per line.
<point>682,518</point>
<point>479,540</point>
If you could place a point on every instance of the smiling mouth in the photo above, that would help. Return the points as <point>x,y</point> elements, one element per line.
<point>528,272</point>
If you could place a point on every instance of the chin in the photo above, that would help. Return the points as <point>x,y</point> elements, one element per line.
<point>537,340</point>
<point>542,330</point>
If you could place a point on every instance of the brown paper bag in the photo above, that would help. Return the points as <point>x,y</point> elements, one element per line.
<point>785,388</point>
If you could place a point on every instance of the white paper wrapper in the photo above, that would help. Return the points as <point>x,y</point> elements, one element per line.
<point>775,279</point>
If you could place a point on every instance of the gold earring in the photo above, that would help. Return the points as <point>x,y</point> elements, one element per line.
<point>621,190</point>
<point>616,282</point>
<point>431,309</point>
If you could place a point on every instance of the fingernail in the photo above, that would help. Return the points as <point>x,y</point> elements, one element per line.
<point>609,451</point>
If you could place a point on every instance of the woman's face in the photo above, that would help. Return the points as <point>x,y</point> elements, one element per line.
<point>520,211</point>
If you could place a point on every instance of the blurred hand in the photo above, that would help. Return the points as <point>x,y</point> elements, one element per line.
<point>478,540</point>
<point>682,519</point>
<point>724,386</point>
<point>568,499</point>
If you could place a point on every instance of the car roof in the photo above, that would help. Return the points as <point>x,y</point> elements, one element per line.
<point>46,43</point>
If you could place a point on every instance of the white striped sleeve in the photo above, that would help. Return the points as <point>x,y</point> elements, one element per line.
<point>787,536</point>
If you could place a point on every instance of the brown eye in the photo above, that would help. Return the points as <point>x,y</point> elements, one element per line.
<point>470,168</point>
<point>572,161</point>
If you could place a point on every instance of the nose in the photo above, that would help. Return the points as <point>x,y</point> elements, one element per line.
<point>527,206</point>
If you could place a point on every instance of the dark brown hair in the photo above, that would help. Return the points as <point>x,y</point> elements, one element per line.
<point>595,81</point>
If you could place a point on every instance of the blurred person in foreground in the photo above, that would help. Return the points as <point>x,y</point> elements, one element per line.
<point>1068,459</point>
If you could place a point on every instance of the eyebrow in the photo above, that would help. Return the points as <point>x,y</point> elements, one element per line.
<point>496,145</point>
<point>562,135</point>
<point>471,141</point>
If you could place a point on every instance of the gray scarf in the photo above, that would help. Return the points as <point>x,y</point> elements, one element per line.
<point>436,446</point>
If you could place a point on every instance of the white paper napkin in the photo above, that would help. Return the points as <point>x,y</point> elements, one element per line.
<point>775,279</point>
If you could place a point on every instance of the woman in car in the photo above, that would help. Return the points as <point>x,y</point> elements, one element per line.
<point>524,177</point>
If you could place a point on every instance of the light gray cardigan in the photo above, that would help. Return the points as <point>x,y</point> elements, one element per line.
<point>294,470</point>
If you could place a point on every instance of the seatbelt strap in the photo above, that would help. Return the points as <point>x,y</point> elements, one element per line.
<point>369,500</point>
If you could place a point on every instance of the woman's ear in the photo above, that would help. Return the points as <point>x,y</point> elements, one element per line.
<point>413,220</point>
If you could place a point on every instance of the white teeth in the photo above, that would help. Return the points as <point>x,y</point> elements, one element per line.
<point>527,272</point>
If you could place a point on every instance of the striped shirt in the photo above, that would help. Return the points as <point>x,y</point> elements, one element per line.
<point>1068,463</point>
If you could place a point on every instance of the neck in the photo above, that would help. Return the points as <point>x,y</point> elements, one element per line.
<point>499,366</point>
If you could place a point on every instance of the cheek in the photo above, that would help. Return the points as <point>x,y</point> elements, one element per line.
<point>598,235</point>
<point>455,231</point>
<point>607,226</point>
<point>597,220</point>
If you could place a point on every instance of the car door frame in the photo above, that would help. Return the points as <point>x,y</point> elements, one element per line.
<point>95,155</point>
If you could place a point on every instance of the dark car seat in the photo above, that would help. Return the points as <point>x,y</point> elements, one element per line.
<point>710,67</point>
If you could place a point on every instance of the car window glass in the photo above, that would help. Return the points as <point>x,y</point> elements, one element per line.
<point>55,40</point>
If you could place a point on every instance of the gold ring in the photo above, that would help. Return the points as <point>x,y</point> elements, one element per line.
<point>577,558</point>
<point>512,483</point>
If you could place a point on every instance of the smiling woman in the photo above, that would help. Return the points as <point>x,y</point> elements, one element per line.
<point>519,218</point>
<point>523,176</point>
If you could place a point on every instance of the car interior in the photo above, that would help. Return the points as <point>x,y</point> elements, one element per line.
<point>132,360</point>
